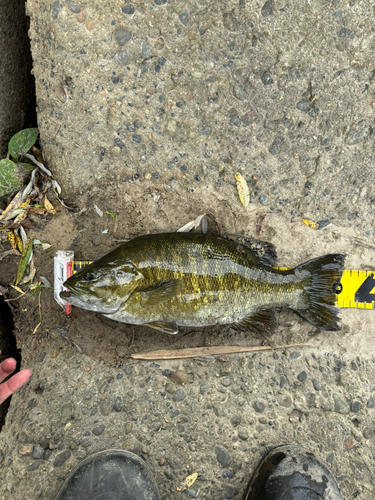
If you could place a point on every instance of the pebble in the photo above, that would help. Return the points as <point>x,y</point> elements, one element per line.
<point>122,36</point>
<point>356,406</point>
<point>178,377</point>
<point>323,223</point>
<point>371,402</point>
<point>275,147</point>
<point>179,395</point>
<point>267,9</point>
<point>229,491</point>
<point>169,388</point>
<point>66,413</point>
<point>225,382</point>
<point>145,50</point>
<point>243,434</point>
<point>316,385</point>
<point>118,406</point>
<point>61,458</point>
<point>302,376</point>
<point>128,427</point>
<point>350,443</point>
<point>304,105</point>
<point>38,451</point>
<point>128,369</point>
<point>340,406</point>
<point>98,430</point>
<point>346,33</point>
<point>34,466</point>
<point>105,409</point>
<point>282,381</point>
<point>368,433</point>
<point>55,9</point>
<point>128,9</point>
<point>73,7</point>
<point>25,450</point>
<point>263,199</point>
<point>295,355</point>
<point>184,17</point>
<point>223,456</point>
<point>259,407</point>
<point>267,78</point>
<point>286,401</point>
<point>235,421</point>
<point>227,474</point>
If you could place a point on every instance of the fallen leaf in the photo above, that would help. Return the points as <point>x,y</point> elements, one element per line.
<point>243,190</point>
<point>187,227</point>
<point>310,223</point>
<point>14,204</point>
<point>25,258</point>
<point>49,206</point>
<point>189,481</point>
<point>98,211</point>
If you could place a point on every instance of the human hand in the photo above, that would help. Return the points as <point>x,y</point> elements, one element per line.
<point>14,383</point>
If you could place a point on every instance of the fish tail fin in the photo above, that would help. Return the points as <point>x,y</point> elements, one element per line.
<point>317,301</point>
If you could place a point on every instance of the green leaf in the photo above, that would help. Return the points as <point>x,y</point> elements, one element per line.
<point>112,214</point>
<point>22,141</point>
<point>13,175</point>
<point>25,258</point>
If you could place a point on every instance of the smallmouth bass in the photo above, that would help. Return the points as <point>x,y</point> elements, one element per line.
<point>190,279</point>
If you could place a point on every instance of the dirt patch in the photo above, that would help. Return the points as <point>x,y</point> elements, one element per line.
<point>92,236</point>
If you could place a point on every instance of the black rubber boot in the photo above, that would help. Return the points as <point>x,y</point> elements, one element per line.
<point>110,474</point>
<point>291,473</point>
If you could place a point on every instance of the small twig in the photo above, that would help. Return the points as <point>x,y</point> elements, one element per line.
<point>34,160</point>
<point>132,339</point>
<point>206,351</point>
<point>40,315</point>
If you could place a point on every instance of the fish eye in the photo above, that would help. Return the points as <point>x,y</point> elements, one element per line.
<point>89,276</point>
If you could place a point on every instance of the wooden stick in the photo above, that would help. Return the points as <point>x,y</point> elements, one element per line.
<point>193,352</point>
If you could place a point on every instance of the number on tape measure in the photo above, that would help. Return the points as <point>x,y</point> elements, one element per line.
<point>357,289</point>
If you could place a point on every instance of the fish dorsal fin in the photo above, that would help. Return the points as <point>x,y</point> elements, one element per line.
<point>264,252</point>
<point>261,322</point>
<point>170,328</point>
<point>160,292</point>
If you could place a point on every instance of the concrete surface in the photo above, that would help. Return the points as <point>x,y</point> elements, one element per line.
<point>147,109</point>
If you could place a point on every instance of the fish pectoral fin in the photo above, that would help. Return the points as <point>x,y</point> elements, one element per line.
<point>160,292</point>
<point>261,322</point>
<point>170,328</point>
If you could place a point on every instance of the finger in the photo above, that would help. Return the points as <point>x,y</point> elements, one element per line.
<point>7,367</point>
<point>13,384</point>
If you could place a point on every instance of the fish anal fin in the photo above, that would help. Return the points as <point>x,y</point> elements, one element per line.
<point>263,252</point>
<point>260,322</point>
<point>160,292</point>
<point>165,327</point>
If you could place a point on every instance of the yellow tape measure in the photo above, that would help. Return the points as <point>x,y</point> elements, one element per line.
<point>356,289</point>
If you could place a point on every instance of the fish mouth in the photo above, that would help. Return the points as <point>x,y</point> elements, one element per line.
<point>70,296</point>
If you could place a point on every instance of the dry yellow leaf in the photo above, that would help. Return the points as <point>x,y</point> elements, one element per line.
<point>48,205</point>
<point>189,481</point>
<point>20,217</point>
<point>310,223</point>
<point>242,189</point>
<point>15,240</point>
